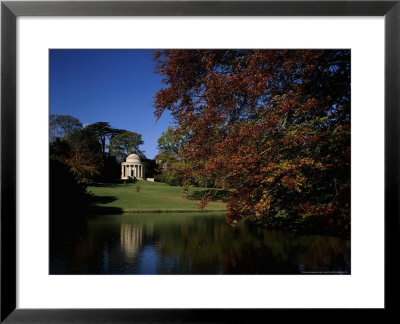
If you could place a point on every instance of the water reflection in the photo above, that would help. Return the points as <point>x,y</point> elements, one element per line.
<point>131,238</point>
<point>195,243</point>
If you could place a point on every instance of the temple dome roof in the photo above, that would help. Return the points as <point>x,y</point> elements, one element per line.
<point>133,158</point>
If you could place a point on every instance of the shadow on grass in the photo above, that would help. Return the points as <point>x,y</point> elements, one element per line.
<point>95,209</point>
<point>112,183</point>
<point>102,199</point>
<point>105,185</point>
<point>216,194</point>
<point>102,210</point>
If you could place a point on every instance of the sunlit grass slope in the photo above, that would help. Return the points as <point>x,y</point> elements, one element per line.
<point>152,196</point>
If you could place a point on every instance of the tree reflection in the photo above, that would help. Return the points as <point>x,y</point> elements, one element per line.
<point>198,243</point>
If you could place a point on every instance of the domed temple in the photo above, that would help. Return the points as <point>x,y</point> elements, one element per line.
<point>132,168</point>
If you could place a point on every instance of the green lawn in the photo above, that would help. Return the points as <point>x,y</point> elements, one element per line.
<point>153,196</point>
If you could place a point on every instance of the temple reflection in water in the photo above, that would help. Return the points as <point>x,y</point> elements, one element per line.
<point>194,243</point>
<point>131,238</point>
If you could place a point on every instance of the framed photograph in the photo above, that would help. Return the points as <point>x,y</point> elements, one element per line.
<point>160,159</point>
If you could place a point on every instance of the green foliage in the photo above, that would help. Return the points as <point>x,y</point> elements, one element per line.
<point>169,142</point>
<point>170,163</point>
<point>102,131</point>
<point>169,178</point>
<point>63,125</point>
<point>282,214</point>
<point>151,168</point>
<point>124,144</point>
<point>83,149</point>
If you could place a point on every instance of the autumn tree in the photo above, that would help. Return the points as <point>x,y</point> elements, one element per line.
<point>84,148</point>
<point>82,152</point>
<point>77,146</point>
<point>274,125</point>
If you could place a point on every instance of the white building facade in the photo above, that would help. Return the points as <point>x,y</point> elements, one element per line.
<point>132,168</point>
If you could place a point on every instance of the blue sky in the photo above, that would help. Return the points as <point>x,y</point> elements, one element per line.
<point>115,86</point>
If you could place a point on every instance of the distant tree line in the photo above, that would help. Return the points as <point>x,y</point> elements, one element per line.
<point>172,168</point>
<point>93,152</point>
<point>80,155</point>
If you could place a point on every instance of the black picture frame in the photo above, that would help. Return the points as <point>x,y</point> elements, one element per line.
<point>10,10</point>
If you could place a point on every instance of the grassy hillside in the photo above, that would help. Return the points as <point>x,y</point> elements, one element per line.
<point>152,196</point>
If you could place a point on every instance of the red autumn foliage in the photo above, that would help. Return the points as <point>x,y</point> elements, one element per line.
<point>272,125</point>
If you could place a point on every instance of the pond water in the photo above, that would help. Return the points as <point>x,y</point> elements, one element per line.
<point>192,243</point>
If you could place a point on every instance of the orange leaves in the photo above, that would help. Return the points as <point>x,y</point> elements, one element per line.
<point>203,202</point>
<point>293,182</point>
<point>272,124</point>
<point>262,207</point>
